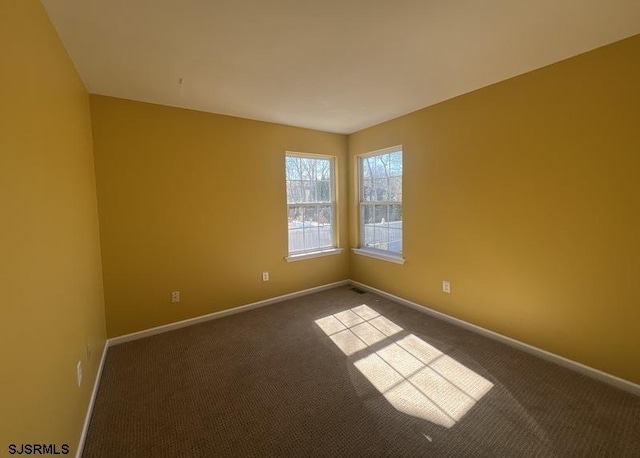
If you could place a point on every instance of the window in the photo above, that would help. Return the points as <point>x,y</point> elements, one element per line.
<point>381,204</point>
<point>311,205</point>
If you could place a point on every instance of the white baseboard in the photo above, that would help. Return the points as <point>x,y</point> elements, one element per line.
<point>560,360</point>
<point>94,392</point>
<point>212,316</point>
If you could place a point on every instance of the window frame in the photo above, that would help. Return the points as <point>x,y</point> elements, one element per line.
<point>386,255</point>
<point>299,255</point>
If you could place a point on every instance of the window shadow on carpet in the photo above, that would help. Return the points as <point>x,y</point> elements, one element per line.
<point>414,377</point>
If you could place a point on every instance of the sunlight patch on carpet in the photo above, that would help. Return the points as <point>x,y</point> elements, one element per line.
<point>414,377</point>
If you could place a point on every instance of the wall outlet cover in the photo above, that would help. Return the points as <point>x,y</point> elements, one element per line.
<point>446,286</point>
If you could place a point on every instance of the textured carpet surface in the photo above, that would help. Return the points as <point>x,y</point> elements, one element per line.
<point>307,378</point>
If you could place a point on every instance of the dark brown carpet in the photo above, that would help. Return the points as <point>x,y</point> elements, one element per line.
<point>270,382</point>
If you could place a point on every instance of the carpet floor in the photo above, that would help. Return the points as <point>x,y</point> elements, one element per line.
<point>345,373</point>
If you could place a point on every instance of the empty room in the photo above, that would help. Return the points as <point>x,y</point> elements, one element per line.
<point>320,228</point>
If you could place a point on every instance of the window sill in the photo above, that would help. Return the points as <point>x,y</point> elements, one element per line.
<point>398,259</point>
<point>313,254</point>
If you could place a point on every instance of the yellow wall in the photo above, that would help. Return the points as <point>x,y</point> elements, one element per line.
<point>526,196</point>
<point>195,202</point>
<point>50,273</point>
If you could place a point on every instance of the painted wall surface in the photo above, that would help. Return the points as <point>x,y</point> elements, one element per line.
<point>525,196</point>
<point>50,268</point>
<point>195,202</point>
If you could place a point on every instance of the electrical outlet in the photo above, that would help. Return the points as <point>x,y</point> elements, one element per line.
<point>79,372</point>
<point>446,286</point>
<point>175,297</point>
<point>265,276</point>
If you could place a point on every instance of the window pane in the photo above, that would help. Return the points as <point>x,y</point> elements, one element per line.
<point>323,191</point>
<point>309,191</point>
<point>380,238</point>
<point>396,163</point>
<point>310,227</point>
<point>367,190</point>
<point>395,213</point>
<point>324,169</point>
<point>294,192</point>
<point>395,237</point>
<point>367,221</point>
<point>395,189</point>
<point>395,228</point>
<point>381,214</point>
<point>305,168</point>
<point>381,186</point>
<point>310,237</point>
<point>381,231</point>
<point>295,216</point>
<point>367,215</point>
<point>293,168</point>
<point>296,240</point>
<point>378,167</point>
<point>310,216</point>
<point>325,219</point>
<point>365,169</point>
<point>368,167</point>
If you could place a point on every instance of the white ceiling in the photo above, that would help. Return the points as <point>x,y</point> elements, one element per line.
<point>331,65</point>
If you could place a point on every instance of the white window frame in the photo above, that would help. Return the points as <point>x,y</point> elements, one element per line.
<point>385,255</point>
<point>299,255</point>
